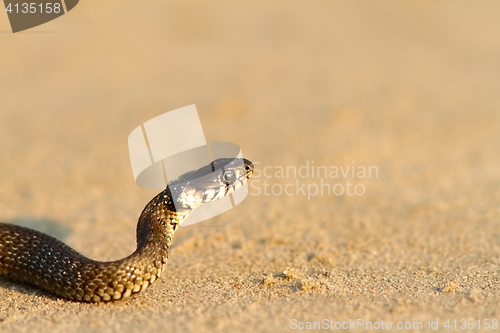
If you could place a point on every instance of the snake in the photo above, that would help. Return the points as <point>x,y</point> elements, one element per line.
<point>35,258</point>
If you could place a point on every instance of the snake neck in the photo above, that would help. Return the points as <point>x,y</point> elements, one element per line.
<point>156,226</point>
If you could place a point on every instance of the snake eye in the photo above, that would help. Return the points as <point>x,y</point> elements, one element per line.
<point>229,177</point>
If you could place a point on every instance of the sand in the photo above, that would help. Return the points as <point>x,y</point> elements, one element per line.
<point>408,89</point>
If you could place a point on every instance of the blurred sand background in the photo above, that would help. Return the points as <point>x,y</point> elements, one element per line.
<point>410,87</point>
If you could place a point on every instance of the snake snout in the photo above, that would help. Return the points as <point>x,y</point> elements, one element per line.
<point>248,167</point>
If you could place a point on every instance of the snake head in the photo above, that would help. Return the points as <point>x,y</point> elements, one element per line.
<point>211,182</point>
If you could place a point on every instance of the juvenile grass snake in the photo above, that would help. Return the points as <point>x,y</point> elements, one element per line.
<point>35,258</point>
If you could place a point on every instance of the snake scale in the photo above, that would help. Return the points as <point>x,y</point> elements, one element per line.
<point>38,259</point>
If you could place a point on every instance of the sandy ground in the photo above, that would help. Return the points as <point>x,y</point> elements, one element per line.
<point>409,89</point>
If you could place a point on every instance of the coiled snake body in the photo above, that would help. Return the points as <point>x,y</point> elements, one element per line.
<point>33,257</point>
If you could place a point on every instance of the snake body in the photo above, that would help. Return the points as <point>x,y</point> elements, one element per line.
<point>38,259</point>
